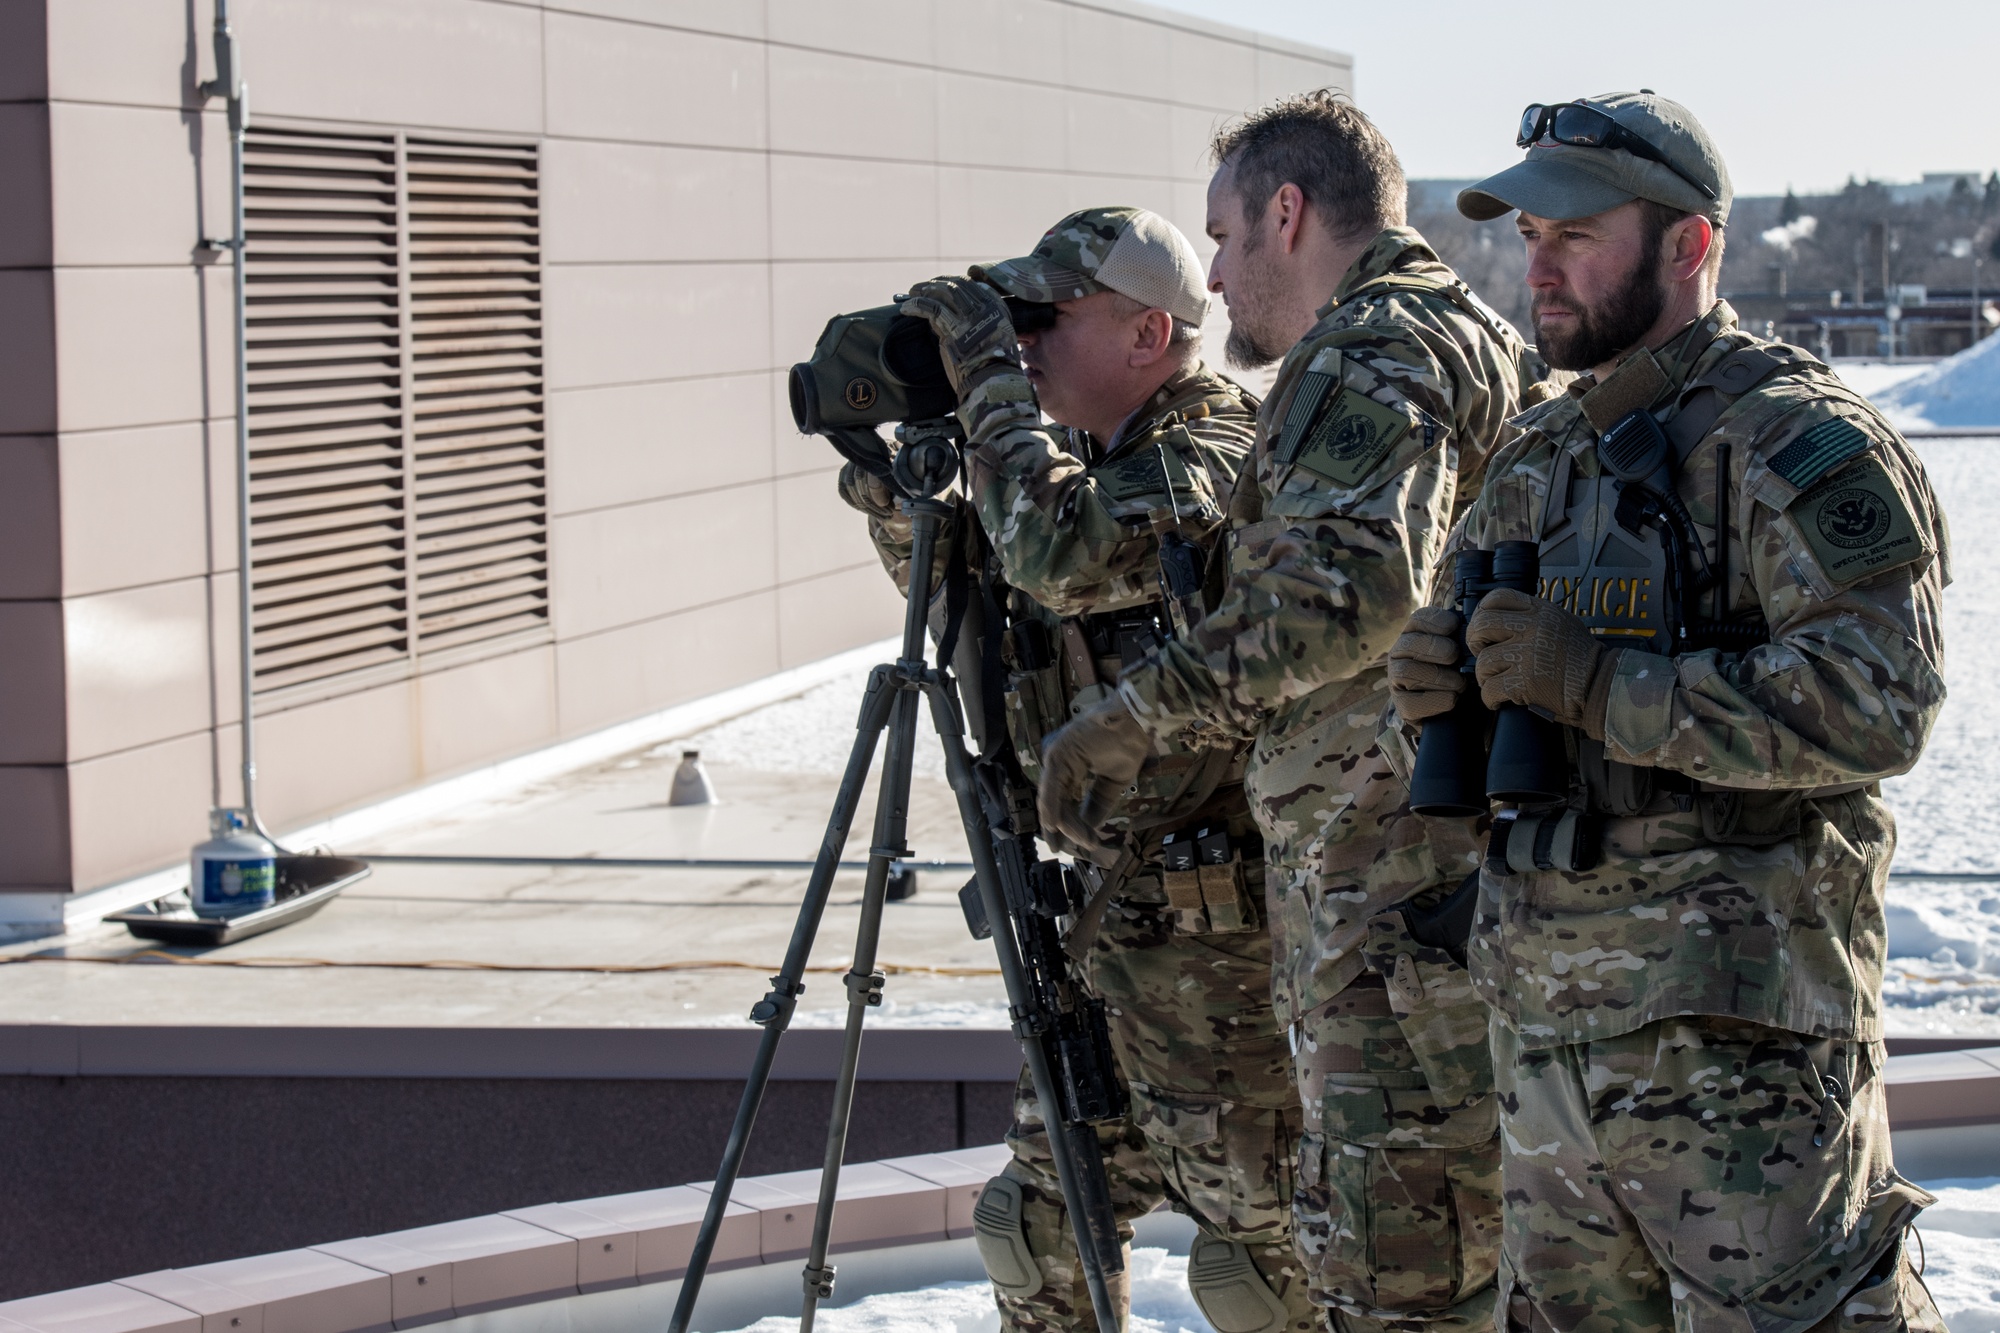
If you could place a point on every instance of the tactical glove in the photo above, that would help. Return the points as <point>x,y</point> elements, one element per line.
<point>1088,765</point>
<point>1424,679</point>
<point>869,493</point>
<point>1533,652</point>
<point>974,332</point>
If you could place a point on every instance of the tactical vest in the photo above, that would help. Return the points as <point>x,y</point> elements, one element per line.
<point>1607,559</point>
<point>1057,666</point>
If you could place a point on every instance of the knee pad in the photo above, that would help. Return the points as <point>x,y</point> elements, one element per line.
<point>1230,1290</point>
<point>999,1231</point>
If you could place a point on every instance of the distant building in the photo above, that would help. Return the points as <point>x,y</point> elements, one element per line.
<point>1934,185</point>
<point>1920,323</point>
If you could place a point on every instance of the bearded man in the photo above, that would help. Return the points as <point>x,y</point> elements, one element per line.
<point>1395,386</point>
<point>1741,572</point>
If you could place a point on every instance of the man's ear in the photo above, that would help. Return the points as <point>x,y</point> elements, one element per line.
<point>1692,238</point>
<point>1287,210</point>
<point>1152,335</point>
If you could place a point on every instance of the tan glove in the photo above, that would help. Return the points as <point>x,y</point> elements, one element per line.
<point>1424,679</point>
<point>1533,652</point>
<point>1087,766</point>
<point>867,492</point>
<point>973,330</point>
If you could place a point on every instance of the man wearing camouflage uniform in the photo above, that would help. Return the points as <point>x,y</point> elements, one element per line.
<point>1099,531</point>
<point>1741,571</point>
<point>1376,432</point>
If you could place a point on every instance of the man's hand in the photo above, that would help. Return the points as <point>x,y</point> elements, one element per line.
<point>974,332</point>
<point>865,491</point>
<point>1424,679</point>
<point>1087,766</point>
<point>1533,652</point>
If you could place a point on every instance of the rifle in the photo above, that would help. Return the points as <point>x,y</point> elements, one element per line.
<point>1052,1014</point>
<point>1068,1026</point>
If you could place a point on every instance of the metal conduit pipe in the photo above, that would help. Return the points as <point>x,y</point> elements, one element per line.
<point>228,84</point>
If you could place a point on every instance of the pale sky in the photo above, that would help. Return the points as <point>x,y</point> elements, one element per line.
<point>1800,94</point>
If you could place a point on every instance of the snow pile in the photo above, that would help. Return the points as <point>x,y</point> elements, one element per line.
<point>1160,1304</point>
<point>1943,973</point>
<point>1871,378</point>
<point>1960,1252</point>
<point>1960,1249</point>
<point>1945,806</point>
<point>1961,390</point>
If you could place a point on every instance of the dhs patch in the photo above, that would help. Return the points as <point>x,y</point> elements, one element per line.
<point>1352,436</point>
<point>1856,523</point>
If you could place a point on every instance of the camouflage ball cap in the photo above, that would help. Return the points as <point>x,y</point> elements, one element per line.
<point>1132,251</point>
<point>1568,181</point>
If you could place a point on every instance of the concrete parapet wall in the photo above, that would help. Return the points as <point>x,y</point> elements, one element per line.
<point>1945,1108</point>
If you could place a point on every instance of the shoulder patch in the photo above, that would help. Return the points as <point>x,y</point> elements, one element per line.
<point>1306,400</point>
<point>1818,451</point>
<point>1856,522</point>
<point>1353,435</point>
<point>1136,475</point>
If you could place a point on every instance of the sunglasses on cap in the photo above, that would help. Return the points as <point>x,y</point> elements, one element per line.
<point>1578,125</point>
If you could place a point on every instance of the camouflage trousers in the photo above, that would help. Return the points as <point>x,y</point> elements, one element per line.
<point>1698,1174</point>
<point>1397,1206</point>
<point>1211,1128</point>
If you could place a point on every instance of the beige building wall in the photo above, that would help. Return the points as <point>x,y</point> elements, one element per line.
<point>717,178</point>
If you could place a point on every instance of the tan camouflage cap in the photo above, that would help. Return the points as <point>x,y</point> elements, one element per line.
<point>1132,251</point>
<point>1569,181</point>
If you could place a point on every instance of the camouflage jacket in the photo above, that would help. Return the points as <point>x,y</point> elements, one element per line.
<point>1752,883</point>
<point>1377,429</point>
<point>1076,526</point>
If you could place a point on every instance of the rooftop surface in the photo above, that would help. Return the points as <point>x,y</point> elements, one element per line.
<point>594,947</point>
<point>526,946</point>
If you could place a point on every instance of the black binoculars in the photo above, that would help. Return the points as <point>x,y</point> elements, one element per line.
<point>1458,772</point>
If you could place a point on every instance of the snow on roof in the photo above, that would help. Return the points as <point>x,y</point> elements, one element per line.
<point>1961,390</point>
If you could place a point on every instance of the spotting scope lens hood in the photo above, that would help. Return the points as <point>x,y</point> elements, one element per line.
<point>870,368</point>
<point>805,398</point>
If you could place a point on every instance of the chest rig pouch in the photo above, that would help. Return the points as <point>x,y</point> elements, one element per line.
<point>1606,560</point>
<point>1058,666</point>
<point>1614,556</point>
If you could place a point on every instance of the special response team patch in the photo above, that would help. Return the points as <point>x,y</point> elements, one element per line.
<point>1350,438</point>
<point>1856,522</point>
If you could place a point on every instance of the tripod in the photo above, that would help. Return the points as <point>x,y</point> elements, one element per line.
<point>925,465</point>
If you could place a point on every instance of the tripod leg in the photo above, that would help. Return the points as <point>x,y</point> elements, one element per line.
<point>774,1011</point>
<point>1074,1153</point>
<point>864,983</point>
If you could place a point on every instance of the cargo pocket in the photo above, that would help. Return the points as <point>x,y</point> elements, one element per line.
<point>1440,1013</point>
<point>1230,1164</point>
<point>1818,1287</point>
<point>1397,1209</point>
<point>1176,1119</point>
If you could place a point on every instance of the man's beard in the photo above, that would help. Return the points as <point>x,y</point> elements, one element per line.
<point>1252,297</point>
<point>1602,332</point>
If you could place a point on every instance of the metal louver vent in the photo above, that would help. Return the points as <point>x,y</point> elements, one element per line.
<point>476,391</point>
<point>398,497</point>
